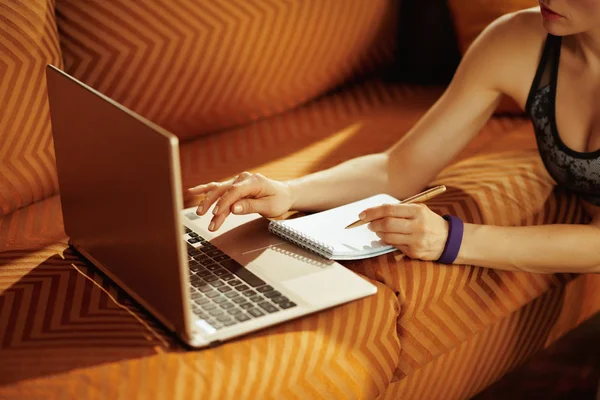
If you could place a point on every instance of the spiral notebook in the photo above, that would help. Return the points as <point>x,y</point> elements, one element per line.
<point>324,233</point>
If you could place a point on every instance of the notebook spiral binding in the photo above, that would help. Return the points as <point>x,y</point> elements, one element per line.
<point>300,239</point>
<point>317,262</point>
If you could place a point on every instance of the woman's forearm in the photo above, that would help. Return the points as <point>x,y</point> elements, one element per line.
<point>347,182</point>
<point>539,249</point>
<point>362,177</point>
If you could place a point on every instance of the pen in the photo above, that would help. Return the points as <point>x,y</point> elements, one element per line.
<point>417,198</point>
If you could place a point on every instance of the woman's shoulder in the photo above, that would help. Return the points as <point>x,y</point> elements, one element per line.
<point>506,54</point>
<point>515,32</point>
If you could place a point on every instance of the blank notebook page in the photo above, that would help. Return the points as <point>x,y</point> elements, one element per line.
<point>329,226</point>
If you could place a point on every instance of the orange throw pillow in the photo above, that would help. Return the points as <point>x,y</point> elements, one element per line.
<point>471,17</point>
<point>28,41</point>
<point>196,67</point>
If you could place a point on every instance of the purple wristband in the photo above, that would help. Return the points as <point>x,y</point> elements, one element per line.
<point>455,235</point>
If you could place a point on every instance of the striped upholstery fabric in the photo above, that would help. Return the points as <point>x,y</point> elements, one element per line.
<point>199,66</point>
<point>62,337</point>
<point>28,41</point>
<point>33,227</point>
<point>473,365</point>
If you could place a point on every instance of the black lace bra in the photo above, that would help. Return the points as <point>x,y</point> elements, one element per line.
<point>578,172</point>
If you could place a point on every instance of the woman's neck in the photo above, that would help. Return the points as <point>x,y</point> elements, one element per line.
<point>588,47</point>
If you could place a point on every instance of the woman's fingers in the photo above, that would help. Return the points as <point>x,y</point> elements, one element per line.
<point>391,210</point>
<point>392,224</point>
<point>246,193</point>
<point>242,177</point>
<point>413,228</point>
<point>236,192</point>
<point>208,200</point>
<point>211,193</point>
<point>396,239</point>
<point>244,187</point>
<point>250,206</point>
<point>201,189</point>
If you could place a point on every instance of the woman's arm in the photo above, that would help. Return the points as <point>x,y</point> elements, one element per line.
<point>502,60</point>
<point>420,233</point>
<point>540,249</point>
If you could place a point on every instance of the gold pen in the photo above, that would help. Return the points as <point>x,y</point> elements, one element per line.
<point>417,198</point>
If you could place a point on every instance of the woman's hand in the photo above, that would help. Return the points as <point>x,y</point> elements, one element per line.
<point>245,194</point>
<point>414,229</point>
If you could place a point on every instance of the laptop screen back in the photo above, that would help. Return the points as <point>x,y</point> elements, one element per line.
<point>120,192</point>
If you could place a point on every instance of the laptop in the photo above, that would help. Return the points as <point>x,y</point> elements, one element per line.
<point>121,196</point>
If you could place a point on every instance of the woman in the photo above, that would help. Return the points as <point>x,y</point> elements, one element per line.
<point>548,60</point>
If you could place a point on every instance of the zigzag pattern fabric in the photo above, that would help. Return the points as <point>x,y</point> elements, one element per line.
<point>199,66</point>
<point>55,312</point>
<point>28,41</point>
<point>471,366</point>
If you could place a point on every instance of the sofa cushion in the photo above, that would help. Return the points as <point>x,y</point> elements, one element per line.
<point>474,364</point>
<point>66,330</point>
<point>28,41</point>
<point>195,66</point>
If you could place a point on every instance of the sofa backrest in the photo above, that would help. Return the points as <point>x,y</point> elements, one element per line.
<point>28,41</point>
<point>196,67</point>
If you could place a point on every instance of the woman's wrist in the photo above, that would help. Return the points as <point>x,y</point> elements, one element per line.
<point>469,251</point>
<point>292,193</point>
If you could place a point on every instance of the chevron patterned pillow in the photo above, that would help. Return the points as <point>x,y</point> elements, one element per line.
<point>28,41</point>
<point>199,66</point>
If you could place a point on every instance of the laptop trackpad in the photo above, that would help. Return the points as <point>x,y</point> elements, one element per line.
<point>285,261</point>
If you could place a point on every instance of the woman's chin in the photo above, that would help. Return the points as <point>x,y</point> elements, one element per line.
<point>558,28</point>
<point>552,29</point>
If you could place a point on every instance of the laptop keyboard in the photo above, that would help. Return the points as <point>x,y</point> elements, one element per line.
<point>223,292</point>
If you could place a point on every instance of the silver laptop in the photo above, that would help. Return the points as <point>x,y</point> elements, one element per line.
<point>121,196</point>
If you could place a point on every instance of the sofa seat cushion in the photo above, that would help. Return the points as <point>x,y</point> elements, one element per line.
<point>66,330</point>
<point>503,345</point>
<point>28,41</point>
<point>194,67</point>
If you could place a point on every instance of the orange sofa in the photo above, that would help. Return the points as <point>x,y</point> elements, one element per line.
<point>285,88</point>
